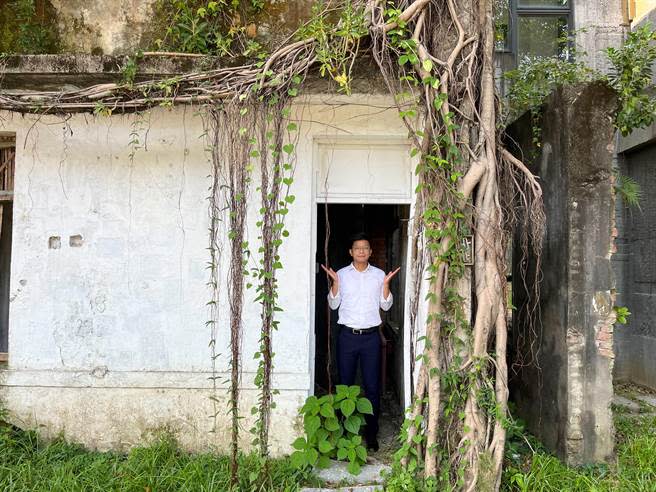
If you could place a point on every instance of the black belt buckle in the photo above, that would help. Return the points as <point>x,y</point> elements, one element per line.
<point>361,331</point>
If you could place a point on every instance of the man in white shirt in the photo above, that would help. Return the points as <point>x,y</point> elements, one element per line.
<point>360,290</point>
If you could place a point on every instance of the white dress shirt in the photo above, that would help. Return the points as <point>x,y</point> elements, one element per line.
<point>360,296</point>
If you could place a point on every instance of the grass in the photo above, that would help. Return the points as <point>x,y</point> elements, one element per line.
<point>28,463</point>
<point>635,469</point>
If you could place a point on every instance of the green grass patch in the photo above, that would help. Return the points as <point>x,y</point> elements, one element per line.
<point>28,463</point>
<point>634,470</point>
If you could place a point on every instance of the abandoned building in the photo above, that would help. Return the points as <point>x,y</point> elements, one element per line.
<point>103,253</point>
<point>635,260</point>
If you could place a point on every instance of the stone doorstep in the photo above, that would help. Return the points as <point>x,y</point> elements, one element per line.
<point>368,480</point>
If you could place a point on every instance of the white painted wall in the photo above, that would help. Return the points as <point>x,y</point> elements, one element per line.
<point>107,341</point>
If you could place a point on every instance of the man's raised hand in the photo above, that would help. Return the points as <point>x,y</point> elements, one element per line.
<point>331,273</point>
<point>391,275</point>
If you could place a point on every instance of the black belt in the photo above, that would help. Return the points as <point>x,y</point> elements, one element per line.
<point>360,331</point>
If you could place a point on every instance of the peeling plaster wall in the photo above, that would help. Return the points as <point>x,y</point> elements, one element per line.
<point>107,337</point>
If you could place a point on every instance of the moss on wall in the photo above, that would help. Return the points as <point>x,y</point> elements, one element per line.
<point>177,26</point>
<point>28,26</point>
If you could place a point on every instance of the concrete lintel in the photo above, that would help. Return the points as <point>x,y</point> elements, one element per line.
<point>79,70</point>
<point>67,71</point>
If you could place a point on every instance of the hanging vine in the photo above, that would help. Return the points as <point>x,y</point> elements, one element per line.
<point>276,163</point>
<point>436,57</point>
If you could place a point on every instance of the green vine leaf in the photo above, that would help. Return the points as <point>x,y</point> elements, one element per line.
<point>364,406</point>
<point>347,407</point>
<point>327,410</point>
<point>352,424</point>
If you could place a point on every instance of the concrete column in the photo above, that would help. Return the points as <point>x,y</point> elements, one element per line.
<point>598,25</point>
<point>564,390</point>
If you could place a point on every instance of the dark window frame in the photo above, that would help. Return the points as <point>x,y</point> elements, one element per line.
<point>516,10</point>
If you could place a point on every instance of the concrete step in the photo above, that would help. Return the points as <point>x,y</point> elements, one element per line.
<point>337,475</point>
<point>356,488</point>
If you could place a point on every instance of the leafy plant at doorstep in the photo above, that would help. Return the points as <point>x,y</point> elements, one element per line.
<point>332,426</point>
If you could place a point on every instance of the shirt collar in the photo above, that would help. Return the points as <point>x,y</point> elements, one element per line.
<point>352,266</point>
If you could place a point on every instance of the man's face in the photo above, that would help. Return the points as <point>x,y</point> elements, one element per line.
<point>360,251</point>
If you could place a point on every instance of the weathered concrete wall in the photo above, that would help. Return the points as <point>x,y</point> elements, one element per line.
<point>124,26</point>
<point>109,26</point>
<point>107,337</point>
<point>635,343</point>
<point>598,25</point>
<point>565,392</point>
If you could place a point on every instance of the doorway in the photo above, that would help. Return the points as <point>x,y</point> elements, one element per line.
<point>386,226</point>
<point>7,158</point>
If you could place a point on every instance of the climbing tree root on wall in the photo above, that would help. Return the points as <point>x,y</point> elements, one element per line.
<point>436,57</point>
<point>468,187</point>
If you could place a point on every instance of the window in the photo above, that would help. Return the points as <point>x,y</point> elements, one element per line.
<point>532,27</point>
<point>7,158</point>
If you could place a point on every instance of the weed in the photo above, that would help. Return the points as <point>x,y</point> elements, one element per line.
<point>27,462</point>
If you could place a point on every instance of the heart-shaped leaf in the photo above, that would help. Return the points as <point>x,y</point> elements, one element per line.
<point>298,459</point>
<point>327,410</point>
<point>347,407</point>
<point>311,424</point>
<point>354,391</point>
<point>364,406</point>
<point>323,462</point>
<point>321,434</point>
<point>325,447</point>
<point>332,424</point>
<point>312,456</point>
<point>352,424</point>
<point>354,468</point>
<point>300,443</point>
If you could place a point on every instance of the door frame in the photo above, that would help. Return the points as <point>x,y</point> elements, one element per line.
<point>368,199</point>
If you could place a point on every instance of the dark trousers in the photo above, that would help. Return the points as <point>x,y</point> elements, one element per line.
<point>364,348</point>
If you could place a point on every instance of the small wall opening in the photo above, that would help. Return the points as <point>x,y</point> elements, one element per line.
<point>386,226</point>
<point>7,159</point>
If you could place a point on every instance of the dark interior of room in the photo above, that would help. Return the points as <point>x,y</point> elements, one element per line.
<point>386,226</point>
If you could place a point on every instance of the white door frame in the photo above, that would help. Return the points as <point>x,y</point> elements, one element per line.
<point>320,196</point>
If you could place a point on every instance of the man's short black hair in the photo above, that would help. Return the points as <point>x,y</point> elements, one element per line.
<point>360,236</point>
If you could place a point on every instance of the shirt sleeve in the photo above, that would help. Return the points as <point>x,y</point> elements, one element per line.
<point>385,304</point>
<point>334,301</point>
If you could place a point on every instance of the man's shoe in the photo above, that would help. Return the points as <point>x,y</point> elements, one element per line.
<point>372,444</point>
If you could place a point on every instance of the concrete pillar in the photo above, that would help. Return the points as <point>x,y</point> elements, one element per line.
<point>598,25</point>
<point>564,389</point>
